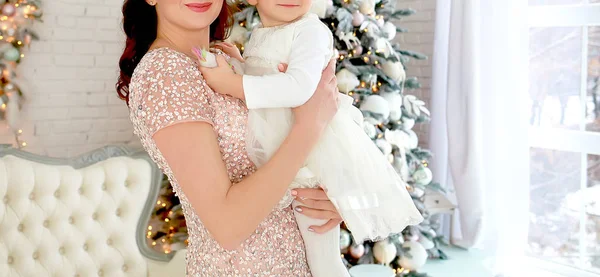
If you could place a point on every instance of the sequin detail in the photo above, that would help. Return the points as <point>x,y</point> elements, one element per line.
<point>167,88</point>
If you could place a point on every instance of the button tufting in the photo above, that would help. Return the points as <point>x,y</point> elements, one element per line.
<point>127,183</point>
<point>95,216</point>
<point>5,199</point>
<point>104,187</point>
<point>100,272</point>
<point>71,220</point>
<point>85,246</point>
<point>10,260</point>
<point>80,190</point>
<point>109,241</point>
<point>118,212</point>
<point>125,268</point>
<point>35,255</point>
<point>20,227</point>
<point>61,250</point>
<point>56,194</point>
<point>31,196</point>
<point>46,223</point>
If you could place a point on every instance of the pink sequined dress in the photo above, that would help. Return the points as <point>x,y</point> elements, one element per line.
<point>166,89</point>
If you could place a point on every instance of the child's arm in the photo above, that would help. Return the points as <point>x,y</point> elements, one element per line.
<point>311,51</point>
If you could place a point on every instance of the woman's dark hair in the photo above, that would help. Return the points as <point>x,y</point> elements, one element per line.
<point>140,24</point>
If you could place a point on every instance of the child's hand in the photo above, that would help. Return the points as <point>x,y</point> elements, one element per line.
<point>222,79</point>
<point>230,50</point>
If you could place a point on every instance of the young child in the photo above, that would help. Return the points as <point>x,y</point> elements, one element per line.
<point>356,176</point>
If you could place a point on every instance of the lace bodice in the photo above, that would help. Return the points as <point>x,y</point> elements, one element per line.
<point>166,89</point>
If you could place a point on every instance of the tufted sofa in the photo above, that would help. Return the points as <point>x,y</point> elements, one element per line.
<point>84,216</point>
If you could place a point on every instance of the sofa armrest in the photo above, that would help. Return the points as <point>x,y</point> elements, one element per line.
<point>173,268</point>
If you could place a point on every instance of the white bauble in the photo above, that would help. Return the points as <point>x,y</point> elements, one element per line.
<point>346,80</point>
<point>382,46</point>
<point>357,19</point>
<point>384,146</point>
<point>407,123</point>
<point>390,29</point>
<point>398,138</point>
<point>367,6</point>
<point>427,243</point>
<point>402,168</point>
<point>238,34</point>
<point>418,256</point>
<point>394,70</point>
<point>369,129</point>
<point>375,104</point>
<point>394,100</point>
<point>423,176</point>
<point>384,251</point>
<point>380,21</point>
<point>319,7</point>
<point>413,140</point>
<point>345,239</point>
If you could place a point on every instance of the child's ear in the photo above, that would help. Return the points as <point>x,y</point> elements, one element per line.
<point>253,2</point>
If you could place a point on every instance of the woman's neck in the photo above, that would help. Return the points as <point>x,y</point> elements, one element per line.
<point>180,40</point>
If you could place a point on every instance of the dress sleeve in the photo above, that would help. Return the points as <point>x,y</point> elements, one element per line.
<point>311,50</point>
<point>172,91</point>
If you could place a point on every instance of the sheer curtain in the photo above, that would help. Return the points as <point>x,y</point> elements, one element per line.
<point>479,127</point>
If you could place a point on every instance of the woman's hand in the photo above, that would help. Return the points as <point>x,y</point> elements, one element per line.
<point>315,204</point>
<point>322,106</point>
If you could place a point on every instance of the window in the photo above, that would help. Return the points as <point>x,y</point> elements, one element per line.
<point>564,96</point>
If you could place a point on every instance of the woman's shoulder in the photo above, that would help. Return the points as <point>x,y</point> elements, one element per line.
<point>165,62</point>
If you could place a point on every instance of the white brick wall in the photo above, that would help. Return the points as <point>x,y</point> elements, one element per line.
<point>419,38</point>
<point>69,75</point>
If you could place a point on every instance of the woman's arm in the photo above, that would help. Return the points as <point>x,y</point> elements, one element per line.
<point>232,212</point>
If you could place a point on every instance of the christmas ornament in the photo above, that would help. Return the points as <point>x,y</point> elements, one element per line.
<point>416,258</point>
<point>346,80</point>
<point>344,239</point>
<point>369,129</point>
<point>12,54</point>
<point>407,123</point>
<point>394,70</point>
<point>27,39</point>
<point>384,251</point>
<point>357,50</point>
<point>423,176</point>
<point>11,32</point>
<point>8,9</point>
<point>394,100</point>
<point>413,140</point>
<point>384,146</point>
<point>380,21</point>
<point>427,244</point>
<point>357,19</point>
<point>402,168</point>
<point>383,46</point>
<point>390,29</point>
<point>367,7</point>
<point>398,138</point>
<point>357,251</point>
<point>375,104</point>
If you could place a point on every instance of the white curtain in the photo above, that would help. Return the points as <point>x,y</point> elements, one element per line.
<point>479,124</point>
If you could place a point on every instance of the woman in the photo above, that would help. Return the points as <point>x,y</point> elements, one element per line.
<point>196,136</point>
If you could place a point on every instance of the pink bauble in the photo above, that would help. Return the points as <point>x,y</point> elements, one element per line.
<point>357,251</point>
<point>358,50</point>
<point>357,19</point>
<point>8,9</point>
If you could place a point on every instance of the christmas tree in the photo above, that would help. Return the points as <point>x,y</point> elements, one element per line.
<point>370,69</point>
<point>16,17</point>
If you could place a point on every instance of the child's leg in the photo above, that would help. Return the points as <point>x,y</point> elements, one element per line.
<point>322,250</point>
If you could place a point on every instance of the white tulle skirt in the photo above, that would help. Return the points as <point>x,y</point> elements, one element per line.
<point>358,179</point>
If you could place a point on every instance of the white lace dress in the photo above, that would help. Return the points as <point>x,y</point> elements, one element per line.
<point>358,179</point>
